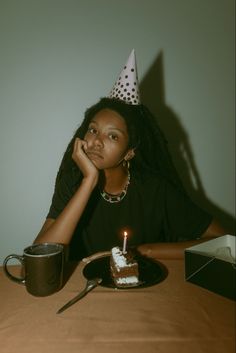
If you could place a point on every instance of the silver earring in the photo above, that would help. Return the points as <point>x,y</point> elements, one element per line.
<point>126,164</point>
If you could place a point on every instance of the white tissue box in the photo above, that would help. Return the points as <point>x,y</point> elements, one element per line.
<point>212,265</point>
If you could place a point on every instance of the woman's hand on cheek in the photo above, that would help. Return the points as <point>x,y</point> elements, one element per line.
<point>79,156</point>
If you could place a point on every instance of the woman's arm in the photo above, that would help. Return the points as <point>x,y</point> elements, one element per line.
<point>62,228</point>
<point>176,250</point>
<point>214,230</point>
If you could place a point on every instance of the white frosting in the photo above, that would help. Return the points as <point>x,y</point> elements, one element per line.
<point>119,258</point>
<point>127,280</point>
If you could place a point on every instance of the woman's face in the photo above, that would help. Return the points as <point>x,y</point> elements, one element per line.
<point>107,139</point>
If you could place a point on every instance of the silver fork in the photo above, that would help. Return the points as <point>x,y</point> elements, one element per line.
<point>91,283</point>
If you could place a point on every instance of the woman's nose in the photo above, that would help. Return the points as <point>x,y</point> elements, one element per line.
<point>98,142</point>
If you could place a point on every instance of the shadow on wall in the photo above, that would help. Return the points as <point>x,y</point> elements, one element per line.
<point>153,96</point>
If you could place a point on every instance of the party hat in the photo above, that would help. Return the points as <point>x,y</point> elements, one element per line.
<point>126,87</point>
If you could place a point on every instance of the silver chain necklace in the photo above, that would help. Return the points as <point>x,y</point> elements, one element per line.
<point>116,198</point>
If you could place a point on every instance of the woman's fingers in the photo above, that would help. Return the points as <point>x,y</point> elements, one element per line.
<point>82,160</point>
<point>79,147</point>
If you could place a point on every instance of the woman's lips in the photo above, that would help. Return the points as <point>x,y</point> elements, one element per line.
<point>94,154</point>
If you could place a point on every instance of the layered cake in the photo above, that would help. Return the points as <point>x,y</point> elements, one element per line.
<point>124,268</point>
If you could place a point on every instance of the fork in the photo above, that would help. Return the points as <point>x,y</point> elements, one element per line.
<point>91,283</point>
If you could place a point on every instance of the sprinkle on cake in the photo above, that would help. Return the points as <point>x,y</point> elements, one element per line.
<point>124,269</point>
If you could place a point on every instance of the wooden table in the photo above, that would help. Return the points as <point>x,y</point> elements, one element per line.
<point>172,316</point>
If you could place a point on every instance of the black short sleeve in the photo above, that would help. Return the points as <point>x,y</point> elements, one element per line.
<point>64,190</point>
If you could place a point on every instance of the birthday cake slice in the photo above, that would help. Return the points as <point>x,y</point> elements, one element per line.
<point>124,268</point>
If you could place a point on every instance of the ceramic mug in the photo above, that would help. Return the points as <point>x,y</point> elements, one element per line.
<point>43,267</point>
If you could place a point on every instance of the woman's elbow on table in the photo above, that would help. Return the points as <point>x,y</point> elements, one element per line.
<point>214,230</point>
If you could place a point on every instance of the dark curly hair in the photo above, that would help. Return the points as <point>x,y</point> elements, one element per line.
<point>151,151</point>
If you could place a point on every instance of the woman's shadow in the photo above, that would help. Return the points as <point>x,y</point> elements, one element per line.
<point>153,96</point>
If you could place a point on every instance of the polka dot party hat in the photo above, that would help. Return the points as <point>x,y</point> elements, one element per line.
<point>126,87</point>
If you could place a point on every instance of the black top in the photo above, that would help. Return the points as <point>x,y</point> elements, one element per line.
<point>153,210</point>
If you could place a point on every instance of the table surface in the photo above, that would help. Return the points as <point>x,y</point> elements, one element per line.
<point>172,316</point>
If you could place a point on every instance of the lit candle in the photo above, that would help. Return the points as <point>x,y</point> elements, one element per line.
<point>124,242</point>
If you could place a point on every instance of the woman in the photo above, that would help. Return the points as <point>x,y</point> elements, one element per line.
<point>117,175</point>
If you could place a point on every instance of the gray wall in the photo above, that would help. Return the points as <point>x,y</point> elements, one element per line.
<point>59,57</point>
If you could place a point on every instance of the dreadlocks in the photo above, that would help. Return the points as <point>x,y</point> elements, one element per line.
<point>145,136</point>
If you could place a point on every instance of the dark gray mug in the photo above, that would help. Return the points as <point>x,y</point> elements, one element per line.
<point>43,267</point>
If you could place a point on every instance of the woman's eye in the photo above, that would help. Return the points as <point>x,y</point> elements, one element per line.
<point>113,137</point>
<point>92,130</point>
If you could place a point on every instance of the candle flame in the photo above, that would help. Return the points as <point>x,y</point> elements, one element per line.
<point>125,234</point>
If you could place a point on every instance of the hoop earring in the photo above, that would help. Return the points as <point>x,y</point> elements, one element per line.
<point>126,164</point>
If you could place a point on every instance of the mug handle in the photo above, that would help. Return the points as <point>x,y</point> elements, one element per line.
<point>20,280</point>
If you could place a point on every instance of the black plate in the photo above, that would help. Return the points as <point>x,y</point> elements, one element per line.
<point>150,272</point>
